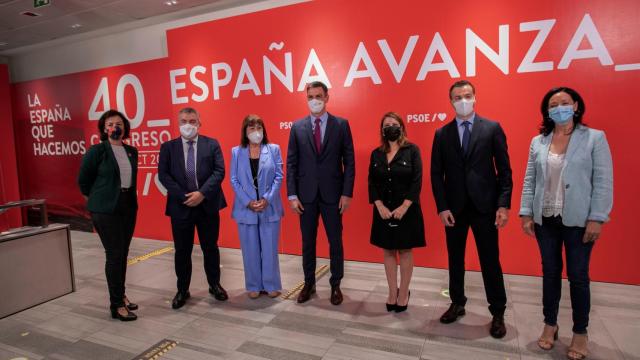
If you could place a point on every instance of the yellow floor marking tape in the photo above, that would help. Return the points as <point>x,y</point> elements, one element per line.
<point>296,289</point>
<point>160,251</point>
<point>157,350</point>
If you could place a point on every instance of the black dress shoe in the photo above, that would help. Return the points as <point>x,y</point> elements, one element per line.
<point>128,317</point>
<point>401,308</point>
<point>336,295</point>
<point>305,293</point>
<point>218,292</point>
<point>452,314</point>
<point>129,304</point>
<point>180,299</point>
<point>498,329</point>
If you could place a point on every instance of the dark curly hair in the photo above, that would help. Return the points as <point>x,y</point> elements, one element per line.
<point>111,113</point>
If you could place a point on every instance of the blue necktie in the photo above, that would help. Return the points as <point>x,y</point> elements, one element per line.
<point>191,168</point>
<point>465,137</point>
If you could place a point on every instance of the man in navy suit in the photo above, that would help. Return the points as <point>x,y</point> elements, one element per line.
<point>320,176</point>
<point>471,181</point>
<point>191,168</point>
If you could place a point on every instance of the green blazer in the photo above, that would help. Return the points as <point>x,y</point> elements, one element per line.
<point>99,177</point>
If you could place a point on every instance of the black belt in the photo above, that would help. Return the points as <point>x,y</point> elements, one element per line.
<point>124,190</point>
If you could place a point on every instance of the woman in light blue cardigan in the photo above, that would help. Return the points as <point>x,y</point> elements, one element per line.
<point>566,197</point>
<point>256,176</point>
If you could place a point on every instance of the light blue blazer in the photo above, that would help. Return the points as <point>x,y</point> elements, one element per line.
<point>270,177</point>
<point>587,177</point>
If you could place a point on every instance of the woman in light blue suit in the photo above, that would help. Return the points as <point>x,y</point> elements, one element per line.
<point>567,196</point>
<point>256,176</point>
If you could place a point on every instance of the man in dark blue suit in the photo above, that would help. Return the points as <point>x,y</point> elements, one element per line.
<point>472,185</point>
<point>320,176</point>
<point>191,168</point>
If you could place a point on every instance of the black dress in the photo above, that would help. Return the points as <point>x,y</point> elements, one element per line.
<point>392,183</point>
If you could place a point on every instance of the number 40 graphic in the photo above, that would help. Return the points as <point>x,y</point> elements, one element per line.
<point>102,96</point>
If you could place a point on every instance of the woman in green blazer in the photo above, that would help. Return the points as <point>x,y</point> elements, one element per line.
<point>107,179</point>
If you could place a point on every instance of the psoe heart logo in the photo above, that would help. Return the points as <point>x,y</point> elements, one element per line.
<point>425,118</point>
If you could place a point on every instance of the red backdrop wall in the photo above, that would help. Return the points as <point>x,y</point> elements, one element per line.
<point>9,188</point>
<point>376,59</point>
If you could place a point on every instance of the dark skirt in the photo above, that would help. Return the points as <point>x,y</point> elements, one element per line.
<point>394,234</point>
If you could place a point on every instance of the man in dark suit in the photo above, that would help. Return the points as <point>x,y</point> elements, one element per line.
<point>191,168</point>
<point>320,176</point>
<point>471,180</point>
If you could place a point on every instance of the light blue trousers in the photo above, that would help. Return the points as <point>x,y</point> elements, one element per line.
<point>259,245</point>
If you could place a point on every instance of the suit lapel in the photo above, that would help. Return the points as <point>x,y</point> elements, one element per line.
<point>202,151</point>
<point>177,147</point>
<point>544,153</point>
<point>245,163</point>
<point>575,141</point>
<point>328,131</point>
<point>309,131</point>
<point>264,156</point>
<point>130,156</point>
<point>454,137</point>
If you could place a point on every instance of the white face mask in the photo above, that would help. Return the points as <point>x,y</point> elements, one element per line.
<point>316,106</point>
<point>255,137</point>
<point>188,131</point>
<point>464,107</point>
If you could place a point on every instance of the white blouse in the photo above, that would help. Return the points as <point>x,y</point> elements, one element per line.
<point>553,199</point>
<point>123,163</point>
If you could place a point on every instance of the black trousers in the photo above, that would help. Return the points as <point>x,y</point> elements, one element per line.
<point>332,220</point>
<point>115,231</point>
<point>208,227</point>
<point>486,236</point>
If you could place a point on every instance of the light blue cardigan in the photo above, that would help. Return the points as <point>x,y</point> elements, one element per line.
<point>587,177</point>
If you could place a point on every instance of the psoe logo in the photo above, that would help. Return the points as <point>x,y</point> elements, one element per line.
<point>286,125</point>
<point>427,117</point>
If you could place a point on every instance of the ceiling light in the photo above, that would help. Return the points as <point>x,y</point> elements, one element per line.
<point>75,26</point>
<point>171,2</point>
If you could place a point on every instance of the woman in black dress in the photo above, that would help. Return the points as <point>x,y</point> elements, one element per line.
<point>395,180</point>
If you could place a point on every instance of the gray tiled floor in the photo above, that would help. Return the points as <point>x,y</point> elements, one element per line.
<point>78,326</point>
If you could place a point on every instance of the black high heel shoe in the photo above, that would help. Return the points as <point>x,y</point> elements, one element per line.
<point>128,317</point>
<point>392,307</point>
<point>129,305</point>
<point>401,308</point>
